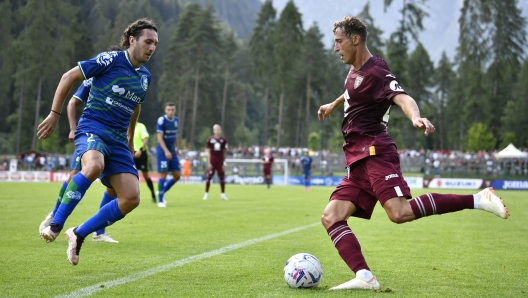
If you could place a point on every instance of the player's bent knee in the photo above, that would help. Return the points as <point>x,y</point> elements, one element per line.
<point>330,218</point>
<point>397,217</point>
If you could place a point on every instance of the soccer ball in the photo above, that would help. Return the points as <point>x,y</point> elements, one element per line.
<point>303,271</point>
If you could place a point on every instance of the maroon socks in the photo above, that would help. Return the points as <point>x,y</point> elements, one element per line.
<point>435,203</point>
<point>347,245</point>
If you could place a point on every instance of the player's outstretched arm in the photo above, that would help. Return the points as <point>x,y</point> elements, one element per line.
<point>132,128</point>
<point>47,126</point>
<point>327,109</point>
<point>410,108</point>
<point>71,110</point>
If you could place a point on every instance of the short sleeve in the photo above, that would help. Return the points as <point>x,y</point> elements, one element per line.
<point>208,143</point>
<point>97,65</point>
<point>144,132</point>
<point>225,144</point>
<point>386,85</point>
<point>159,125</point>
<point>84,90</point>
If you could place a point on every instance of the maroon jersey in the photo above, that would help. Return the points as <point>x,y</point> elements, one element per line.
<point>216,147</point>
<point>368,98</point>
<point>267,161</point>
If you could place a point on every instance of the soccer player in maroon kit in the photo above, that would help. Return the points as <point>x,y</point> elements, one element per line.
<point>216,147</point>
<point>371,159</point>
<point>267,161</point>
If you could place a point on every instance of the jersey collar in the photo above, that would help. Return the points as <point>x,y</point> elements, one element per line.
<point>128,59</point>
<point>173,118</point>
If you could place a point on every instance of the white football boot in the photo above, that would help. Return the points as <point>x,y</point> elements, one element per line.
<point>45,223</point>
<point>103,238</point>
<point>490,202</point>
<point>359,283</point>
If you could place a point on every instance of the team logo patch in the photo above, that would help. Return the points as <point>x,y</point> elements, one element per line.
<point>74,195</point>
<point>358,81</point>
<point>144,82</point>
<point>88,83</point>
<point>395,86</point>
<point>105,58</point>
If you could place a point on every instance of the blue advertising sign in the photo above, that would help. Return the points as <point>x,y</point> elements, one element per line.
<point>510,184</point>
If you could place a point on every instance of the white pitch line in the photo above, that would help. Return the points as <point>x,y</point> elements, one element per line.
<point>149,272</point>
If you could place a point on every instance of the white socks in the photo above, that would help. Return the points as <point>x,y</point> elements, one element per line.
<point>476,201</point>
<point>364,274</point>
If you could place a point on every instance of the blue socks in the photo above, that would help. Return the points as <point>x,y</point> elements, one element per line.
<point>161,186</point>
<point>106,216</point>
<point>106,199</point>
<point>168,185</point>
<point>59,198</point>
<point>72,196</point>
<point>307,183</point>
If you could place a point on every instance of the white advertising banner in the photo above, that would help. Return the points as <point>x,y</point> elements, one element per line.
<point>414,182</point>
<point>454,183</point>
<point>25,176</point>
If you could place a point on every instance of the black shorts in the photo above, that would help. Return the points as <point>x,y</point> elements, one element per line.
<point>142,162</point>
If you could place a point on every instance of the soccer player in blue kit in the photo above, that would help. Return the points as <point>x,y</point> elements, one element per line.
<point>119,85</point>
<point>80,97</point>
<point>166,151</point>
<point>306,161</point>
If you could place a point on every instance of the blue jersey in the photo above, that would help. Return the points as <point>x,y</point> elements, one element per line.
<point>84,90</point>
<point>307,163</point>
<point>117,88</point>
<point>169,128</point>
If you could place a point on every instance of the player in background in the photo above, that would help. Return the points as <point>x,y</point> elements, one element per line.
<point>119,87</point>
<point>187,164</point>
<point>306,161</point>
<point>167,129</point>
<point>80,97</point>
<point>267,162</point>
<point>216,148</point>
<point>141,155</point>
<point>371,158</point>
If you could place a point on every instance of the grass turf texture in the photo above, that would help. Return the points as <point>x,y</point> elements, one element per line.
<point>467,254</point>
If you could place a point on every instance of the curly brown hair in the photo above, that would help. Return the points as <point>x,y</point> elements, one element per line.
<point>136,29</point>
<point>351,26</point>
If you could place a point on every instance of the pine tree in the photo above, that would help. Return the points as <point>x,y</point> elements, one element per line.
<point>313,61</point>
<point>229,48</point>
<point>374,37</point>
<point>444,78</point>
<point>288,38</point>
<point>261,45</point>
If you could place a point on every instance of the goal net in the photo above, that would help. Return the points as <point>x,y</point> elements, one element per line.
<point>250,171</point>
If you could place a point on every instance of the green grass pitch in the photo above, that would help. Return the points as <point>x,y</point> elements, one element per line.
<point>465,254</point>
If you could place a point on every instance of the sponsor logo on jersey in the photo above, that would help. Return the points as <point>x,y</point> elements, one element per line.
<point>391,176</point>
<point>116,103</point>
<point>133,96</point>
<point>358,81</point>
<point>118,89</point>
<point>105,58</point>
<point>144,82</point>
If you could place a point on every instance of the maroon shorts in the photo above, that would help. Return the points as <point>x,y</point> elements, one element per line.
<point>217,167</point>
<point>267,171</point>
<point>372,179</point>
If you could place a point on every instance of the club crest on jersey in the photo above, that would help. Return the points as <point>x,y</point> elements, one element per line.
<point>144,82</point>
<point>358,81</point>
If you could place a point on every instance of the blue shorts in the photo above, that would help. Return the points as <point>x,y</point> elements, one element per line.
<point>165,165</point>
<point>75,164</point>
<point>117,156</point>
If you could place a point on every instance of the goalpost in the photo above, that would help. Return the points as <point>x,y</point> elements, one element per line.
<point>253,167</point>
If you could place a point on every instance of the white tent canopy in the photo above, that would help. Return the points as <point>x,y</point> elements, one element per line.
<point>510,152</point>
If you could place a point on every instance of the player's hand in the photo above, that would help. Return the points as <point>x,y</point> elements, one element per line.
<point>168,155</point>
<point>325,111</point>
<point>425,125</point>
<point>47,126</point>
<point>71,135</point>
<point>137,154</point>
